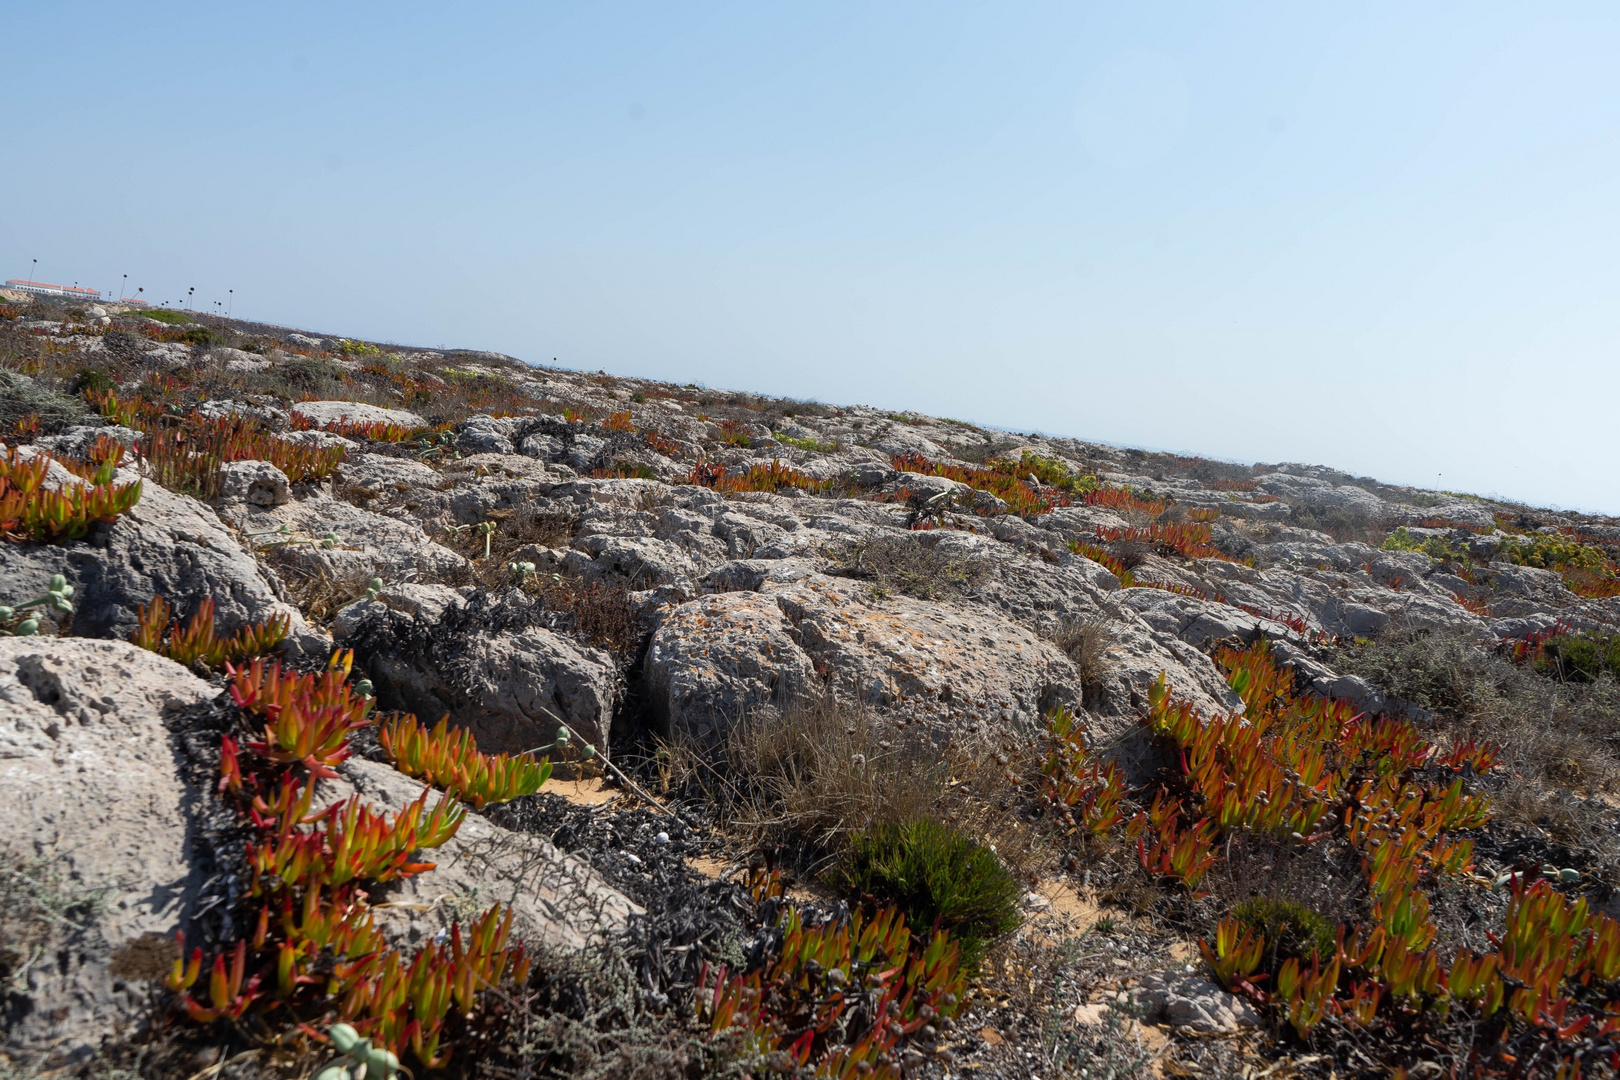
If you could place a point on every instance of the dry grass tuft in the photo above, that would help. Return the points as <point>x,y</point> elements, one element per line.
<point>1087,641</point>
<point>805,780</point>
<point>911,565</point>
<point>1559,738</point>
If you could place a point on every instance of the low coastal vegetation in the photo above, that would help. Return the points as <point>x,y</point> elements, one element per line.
<point>980,754</point>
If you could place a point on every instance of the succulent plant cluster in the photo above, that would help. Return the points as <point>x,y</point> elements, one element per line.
<point>197,643</point>
<point>836,998</point>
<point>450,760</point>
<point>314,954</point>
<point>1007,483</point>
<point>30,511</point>
<point>375,430</point>
<point>1190,540</point>
<point>772,477</point>
<point>1302,769</point>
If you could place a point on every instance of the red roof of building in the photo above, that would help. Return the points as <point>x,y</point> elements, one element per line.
<point>48,285</point>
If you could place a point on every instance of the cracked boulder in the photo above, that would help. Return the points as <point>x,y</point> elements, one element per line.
<point>718,658</point>
<point>96,821</point>
<point>495,665</point>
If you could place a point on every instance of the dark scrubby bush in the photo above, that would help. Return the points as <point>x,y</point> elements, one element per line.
<point>311,375</point>
<point>1342,523</point>
<point>22,397</point>
<point>1579,657</point>
<point>938,877</point>
<point>90,380</point>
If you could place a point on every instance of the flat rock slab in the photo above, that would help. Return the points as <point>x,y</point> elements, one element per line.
<point>332,412</point>
<point>95,802</point>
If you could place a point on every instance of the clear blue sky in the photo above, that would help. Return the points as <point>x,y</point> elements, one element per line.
<point>1382,237</point>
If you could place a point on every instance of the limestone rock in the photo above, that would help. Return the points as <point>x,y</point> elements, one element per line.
<point>716,658</point>
<point>1194,1004</point>
<point>490,664</point>
<point>331,412</point>
<point>347,543</point>
<point>559,901</point>
<point>89,782</point>
<point>168,544</point>
<point>257,483</point>
<point>364,478</point>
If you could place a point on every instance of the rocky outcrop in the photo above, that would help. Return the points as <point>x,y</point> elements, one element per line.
<point>168,544</point>
<point>491,663</point>
<point>355,412</point>
<point>339,541</point>
<point>109,817</point>
<point>719,658</point>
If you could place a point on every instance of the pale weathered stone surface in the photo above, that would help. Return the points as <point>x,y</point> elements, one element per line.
<point>720,657</point>
<point>1194,1004</point>
<point>88,778</point>
<point>362,478</point>
<point>355,412</point>
<point>361,544</point>
<point>257,483</point>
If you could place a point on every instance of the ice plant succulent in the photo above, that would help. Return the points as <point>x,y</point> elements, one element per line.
<point>836,998</point>
<point>306,718</point>
<point>32,511</point>
<point>451,760</point>
<point>311,953</point>
<point>197,642</point>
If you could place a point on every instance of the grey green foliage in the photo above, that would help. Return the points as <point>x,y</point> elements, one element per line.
<point>21,397</point>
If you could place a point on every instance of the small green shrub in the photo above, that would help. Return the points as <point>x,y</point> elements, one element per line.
<point>1579,657</point>
<point>90,380</point>
<point>810,443</point>
<point>1551,551</point>
<point>1436,547</point>
<point>1054,472</point>
<point>168,318</point>
<point>938,877</point>
<point>1290,929</point>
<point>357,348</point>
